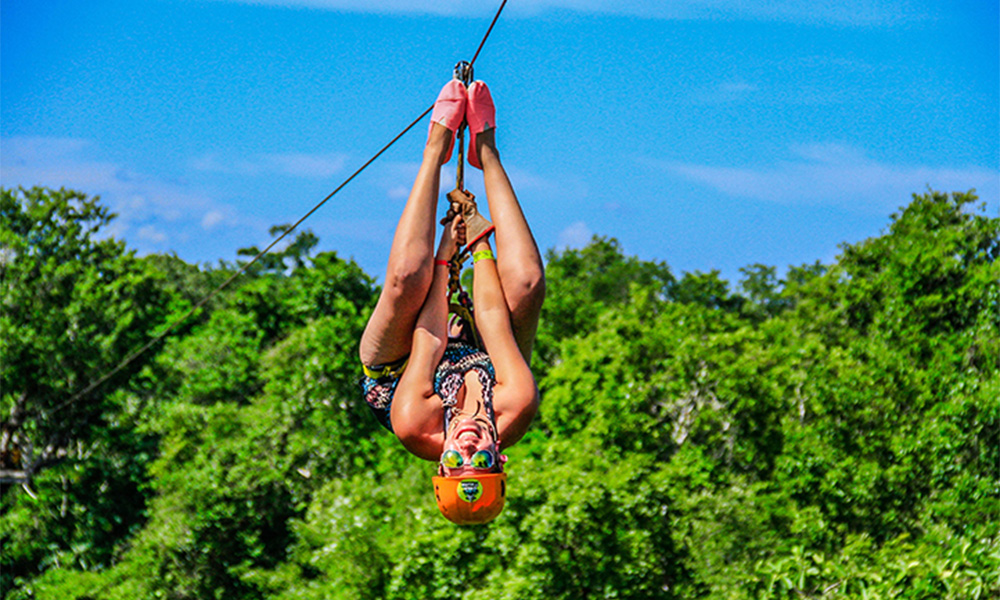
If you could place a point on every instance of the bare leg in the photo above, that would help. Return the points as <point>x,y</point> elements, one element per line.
<point>389,333</point>
<point>519,263</point>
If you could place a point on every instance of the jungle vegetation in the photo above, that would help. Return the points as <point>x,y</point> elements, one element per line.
<point>823,431</point>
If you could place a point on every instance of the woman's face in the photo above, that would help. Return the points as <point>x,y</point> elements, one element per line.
<point>469,437</point>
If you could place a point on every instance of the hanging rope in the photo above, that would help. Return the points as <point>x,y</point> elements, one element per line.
<point>177,322</point>
<point>461,305</point>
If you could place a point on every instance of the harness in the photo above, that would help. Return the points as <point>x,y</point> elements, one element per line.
<point>387,371</point>
<point>460,306</point>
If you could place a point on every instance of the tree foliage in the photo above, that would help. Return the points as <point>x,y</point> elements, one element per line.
<point>829,431</point>
<point>74,304</point>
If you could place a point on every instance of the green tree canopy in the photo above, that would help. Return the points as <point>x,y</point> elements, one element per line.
<point>829,431</point>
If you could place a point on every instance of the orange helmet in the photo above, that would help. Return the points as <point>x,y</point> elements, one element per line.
<point>471,499</point>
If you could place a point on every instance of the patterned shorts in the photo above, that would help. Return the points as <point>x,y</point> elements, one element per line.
<point>379,385</point>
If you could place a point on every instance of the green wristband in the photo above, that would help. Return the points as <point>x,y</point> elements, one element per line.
<point>478,256</point>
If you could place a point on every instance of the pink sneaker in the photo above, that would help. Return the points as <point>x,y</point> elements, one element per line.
<point>449,110</point>
<point>481,115</point>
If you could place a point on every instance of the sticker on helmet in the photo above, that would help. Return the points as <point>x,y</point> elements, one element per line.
<point>470,490</point>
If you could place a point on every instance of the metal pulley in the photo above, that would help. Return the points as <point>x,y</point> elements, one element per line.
<point>463,72</point>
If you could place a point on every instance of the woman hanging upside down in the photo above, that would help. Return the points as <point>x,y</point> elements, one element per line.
<point>445,399</point>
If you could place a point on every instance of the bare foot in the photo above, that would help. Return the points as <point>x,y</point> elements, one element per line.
<point>486,145</point>
<point>438,142</point>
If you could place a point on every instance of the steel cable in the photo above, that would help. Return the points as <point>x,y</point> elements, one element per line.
<point>177,322</point>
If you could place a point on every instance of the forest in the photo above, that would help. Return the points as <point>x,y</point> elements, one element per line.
<point>814,431</point>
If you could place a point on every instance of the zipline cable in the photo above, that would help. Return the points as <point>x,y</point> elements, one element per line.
<point>177,322</point>
<point>136,354</point>
<point>488,30</point>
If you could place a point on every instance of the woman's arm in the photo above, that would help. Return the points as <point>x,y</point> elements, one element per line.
<point>515,398</point>
<point>416,412</point>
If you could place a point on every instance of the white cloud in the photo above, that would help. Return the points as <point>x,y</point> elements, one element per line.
<point>211,219</point>
<point>153,213</point>
<point>576,235</point>
<point>55,162</point>
<point>840,175</point>
<point>151,233</point>
<point>314,166</point>
<point>726,91</point>
<point>848,12</point>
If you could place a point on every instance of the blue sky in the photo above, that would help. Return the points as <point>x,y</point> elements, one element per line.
<point>710,134</point>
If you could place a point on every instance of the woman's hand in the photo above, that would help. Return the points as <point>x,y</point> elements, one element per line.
<point>452,238</point>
